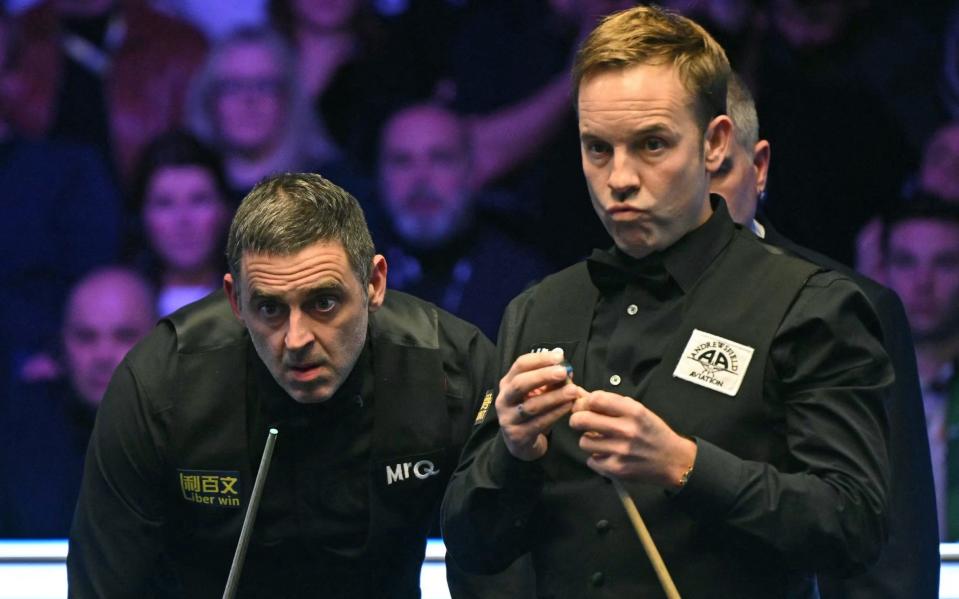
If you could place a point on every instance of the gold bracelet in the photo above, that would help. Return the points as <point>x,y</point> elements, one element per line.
<point>685,477</point>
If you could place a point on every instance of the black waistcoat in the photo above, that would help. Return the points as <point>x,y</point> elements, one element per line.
<point>209,432</point>
<point>584,544</point>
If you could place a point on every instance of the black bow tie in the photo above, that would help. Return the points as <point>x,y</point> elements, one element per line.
<point>610,272</point>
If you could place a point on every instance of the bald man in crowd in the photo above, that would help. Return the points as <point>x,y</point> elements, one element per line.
<point>47,424</point>
<point>909,564</point>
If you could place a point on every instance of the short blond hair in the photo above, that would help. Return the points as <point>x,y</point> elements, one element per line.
<point>652,35</point>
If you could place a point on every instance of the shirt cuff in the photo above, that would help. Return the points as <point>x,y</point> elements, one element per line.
<point>508,471</point>
<point>713,484</point>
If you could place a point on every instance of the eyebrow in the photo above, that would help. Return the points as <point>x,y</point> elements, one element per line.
<point>642,131</point>
<point>325,287</point>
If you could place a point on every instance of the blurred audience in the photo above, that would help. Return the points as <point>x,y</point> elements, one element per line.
<point>355,68</point>
<point>438,244</point>
<point>950,71</point>
<point>248,103</point>
<point>738,25</point>
<point>46,425</point>
<point>909,564</point>
<point>216,18</point>
<point>922,261</point>
<point>181,198</point>
<point>61,217</point>
<point>112,73</point>
<point>812,77</point>
<point>524,131</point>
<point>939,172</point>
<point>938,176</point>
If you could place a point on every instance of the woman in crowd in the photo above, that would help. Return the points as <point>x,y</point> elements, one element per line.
<point>247,103</point>
<point>181,199</point>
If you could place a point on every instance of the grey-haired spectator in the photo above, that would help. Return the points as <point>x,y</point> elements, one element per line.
<point>248,103</point>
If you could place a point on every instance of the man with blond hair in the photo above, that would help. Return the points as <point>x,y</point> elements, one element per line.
<point>735,392</point>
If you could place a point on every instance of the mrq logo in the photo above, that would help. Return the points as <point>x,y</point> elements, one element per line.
<point>422,470</point>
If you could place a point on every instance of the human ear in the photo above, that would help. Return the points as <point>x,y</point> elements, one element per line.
<point>377,285</point>
<point>717,139</point>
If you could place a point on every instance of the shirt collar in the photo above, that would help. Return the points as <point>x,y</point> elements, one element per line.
<point>684,261</point>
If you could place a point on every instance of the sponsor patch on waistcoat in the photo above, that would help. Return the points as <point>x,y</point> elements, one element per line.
<point>487,402</point>
<point>217,488</point>
<point>713,362</point>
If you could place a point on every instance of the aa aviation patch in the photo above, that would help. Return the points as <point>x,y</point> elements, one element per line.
<point>713,362</point>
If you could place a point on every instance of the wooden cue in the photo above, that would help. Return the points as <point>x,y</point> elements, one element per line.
<point>647,540</point>
<point>665,580</point>
<point>247,530</point>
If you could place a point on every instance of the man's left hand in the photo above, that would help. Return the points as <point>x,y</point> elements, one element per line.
<point>628,441</point>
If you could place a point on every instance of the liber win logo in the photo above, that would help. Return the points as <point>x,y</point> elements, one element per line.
<point>217,488</point>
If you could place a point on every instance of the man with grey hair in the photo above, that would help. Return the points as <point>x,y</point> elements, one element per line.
<point>741,178</point>
<point>371,393</point>
<point>909,563</point>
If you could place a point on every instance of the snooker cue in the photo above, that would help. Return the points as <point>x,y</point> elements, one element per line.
<point>647,540</point>
<point>665,580</point>
<point>247,530</point>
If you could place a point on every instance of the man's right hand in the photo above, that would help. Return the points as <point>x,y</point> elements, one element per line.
<point>533,395</point>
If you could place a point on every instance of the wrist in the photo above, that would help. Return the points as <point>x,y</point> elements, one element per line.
<point>685,463</point>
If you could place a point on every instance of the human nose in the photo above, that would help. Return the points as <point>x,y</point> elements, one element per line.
<point>107,355</point>
<point>421,173</point>
<point>623,178</point>
<point>298,336</point>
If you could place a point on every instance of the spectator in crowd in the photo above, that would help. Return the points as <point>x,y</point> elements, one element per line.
<point>521,121</point>
<point>938,176</point>
<point>46,424</point>
<point>181,198</point>
<point>909,564</point>
<point>939,172</point>
<point>61,217</point>
<point>248,103</point>
<point>440,246</point>
<point>922,259</point>
<point>112,73</point>
<point>735,392</point>
<point>355,69</point>
<point>813,72</point>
